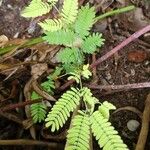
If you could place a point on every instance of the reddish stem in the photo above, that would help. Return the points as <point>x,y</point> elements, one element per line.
<point>122,87</point>
<point>121,45</point>
<point>112,52</point>
<point>21,104</point>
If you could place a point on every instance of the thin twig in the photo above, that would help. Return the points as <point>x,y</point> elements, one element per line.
<point>115,12</point>
<point>120,87</point>
<point>41,92</point>
<point>11,117</point>
<point>94,71</point>
<point>67,84</point>
<point>18,105</point>
<point>145,126</point>
<point>112,52</point>
<point>30,142</point>
<point>121,45</point>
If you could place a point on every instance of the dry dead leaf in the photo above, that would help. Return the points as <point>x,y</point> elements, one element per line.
<point>4,66</point>
<point>38,70</point>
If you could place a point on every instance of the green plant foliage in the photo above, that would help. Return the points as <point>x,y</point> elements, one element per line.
<point>105,134</point>
<point>35,96</point>
<point>51,24</point>
<point>89,99</point>
<point>105,108</point>
<point>38,110</point>
<point>60,112</point>
<point>74,76</point>
<point>36,8</point>
<point>69,11</point>
<point>52,1</point>
<point>60,37</point>
<point>86,73</point>
<point>70,55</point>
<point>72,30</point>
<point>48,85</point>
<point>85,20</point>
<point>71,67</point>
<point>79,134</point>
<point>92,42</point>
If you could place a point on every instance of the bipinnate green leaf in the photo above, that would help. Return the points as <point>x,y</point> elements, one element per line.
<point>51,24</point>
<point>84,21</point>
<point>60,37</point>
<point>92,42</point>
<point>105,134</point>
<point>105,108</point>
<point>69,11</point>
<point>79,134</point>
<point>60,112</point>
<point>69,55</point>
<point>36,8</point>
<point>38,110</point>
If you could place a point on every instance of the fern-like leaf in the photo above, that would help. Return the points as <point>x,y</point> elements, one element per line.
<point>51,24</point>
<point>35,96</point>
<point>89,99</point>
<point>48,85</point>
<point>86,73</point>
<point>70,55</point>
<point>92,42</point>
<point>105,134</point>
<point>105,108</point>
<point>74,76</point>
<point>36,8</point>
<point>60,112</point>
<point>73,67</point>
<point>69,11</point>
<point>78,136</point>
<point>38,110</point>
<point>85,20</point>
<point>60,37</point>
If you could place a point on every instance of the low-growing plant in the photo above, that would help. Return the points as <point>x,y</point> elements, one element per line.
<point>71,29</point>
<point>39,110</point>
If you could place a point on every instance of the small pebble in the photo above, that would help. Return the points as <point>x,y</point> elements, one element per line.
<point>133,125</point>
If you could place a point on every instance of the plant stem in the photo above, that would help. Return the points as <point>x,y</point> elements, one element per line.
<point>115,12</point>
<point>30,142</point>
<point>41,92</point>
<point>29,43</point>
<point>121,45</point>
<point>122,87</point>
<point>21,104</point>
<point>112,52</point>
